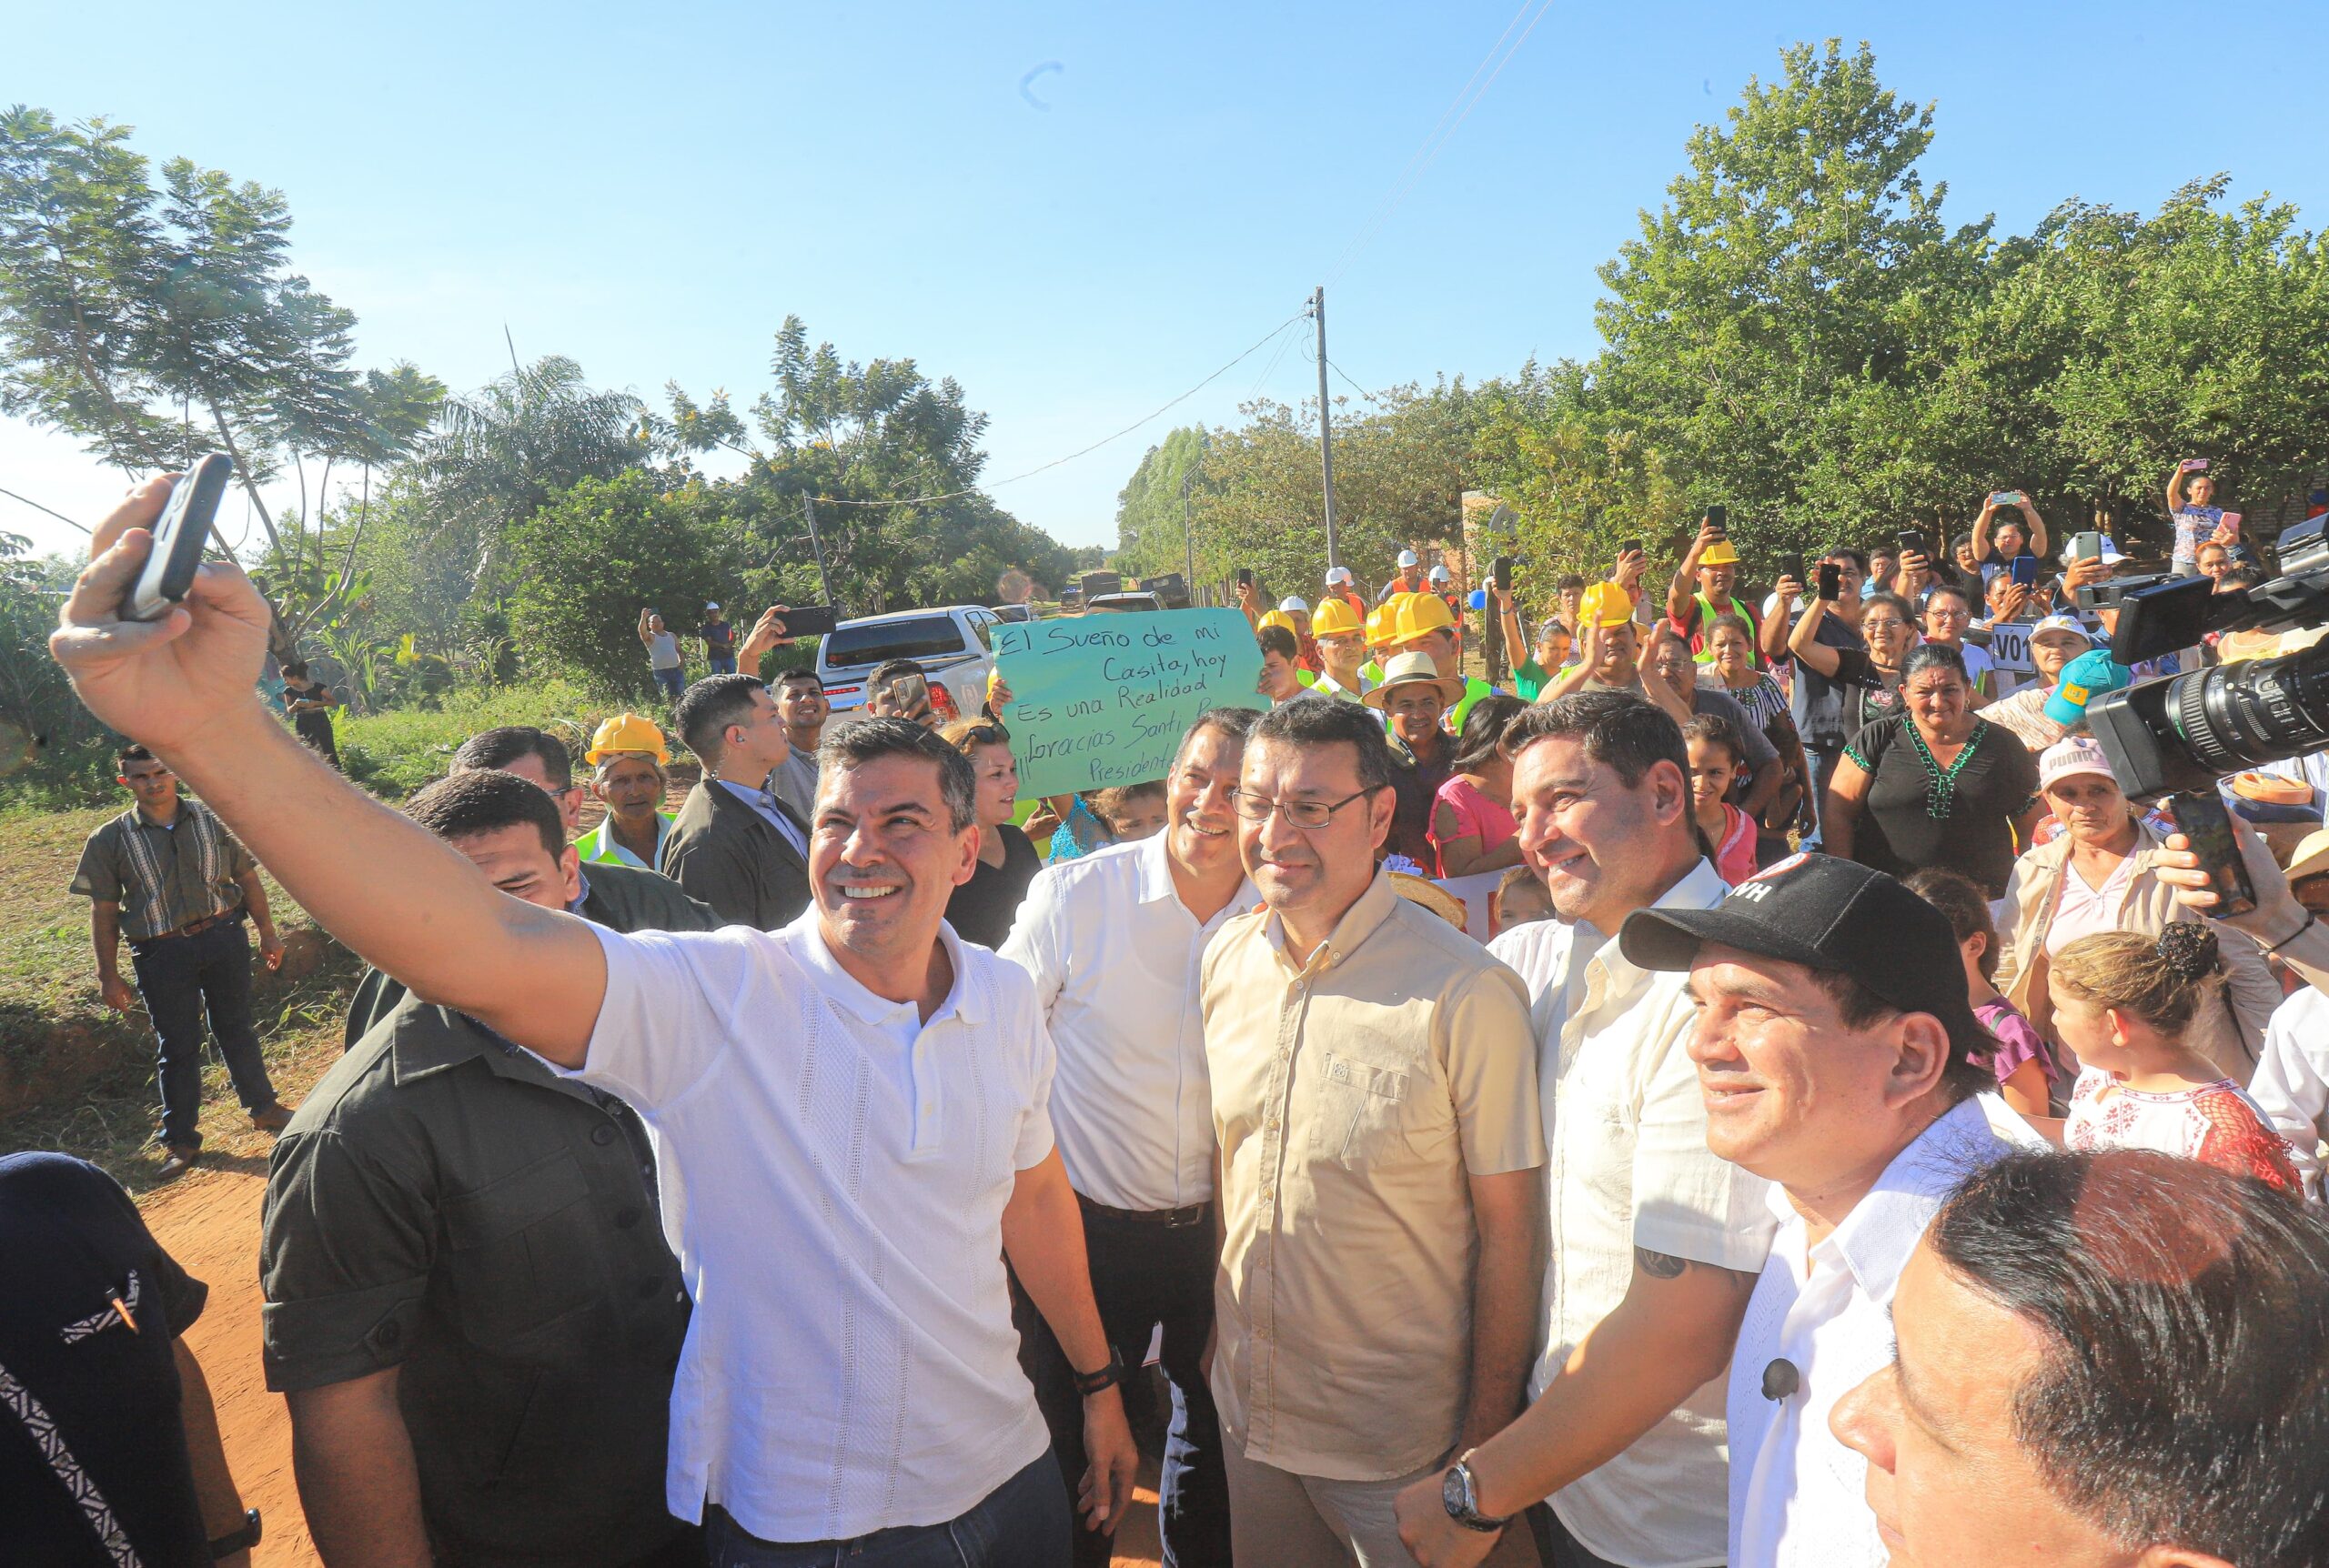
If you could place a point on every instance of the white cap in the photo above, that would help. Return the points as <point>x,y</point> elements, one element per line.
<point>2063,623</point>
<point>709,605</point>
<point>1409,559</point>
<point>2077,754</point>
<point>1439,573</point>
<point>2111,555</point>
<point>1337,575</point>
<point>1293,602</point>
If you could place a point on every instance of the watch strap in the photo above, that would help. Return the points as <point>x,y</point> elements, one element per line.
<point>241,1539</point>
<point>1467,1511</point>
<point>1107,1377</point>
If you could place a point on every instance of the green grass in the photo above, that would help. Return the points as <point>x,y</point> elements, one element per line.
<point>397,752</point>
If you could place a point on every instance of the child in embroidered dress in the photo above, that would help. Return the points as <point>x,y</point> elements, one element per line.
<point>2122,1001</point>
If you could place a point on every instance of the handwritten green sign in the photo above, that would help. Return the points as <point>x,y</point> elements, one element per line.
<point>1103,699</point>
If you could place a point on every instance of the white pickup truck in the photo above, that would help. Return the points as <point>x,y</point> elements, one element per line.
<point>953,644</point>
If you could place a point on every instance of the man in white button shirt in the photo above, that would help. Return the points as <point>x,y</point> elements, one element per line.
<point>1656,1242</point>
<point>1114,942</point>
<point>849,1114</point>
<point>1838,1059</point>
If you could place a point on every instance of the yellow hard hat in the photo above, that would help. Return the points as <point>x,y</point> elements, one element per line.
<point>1605,605</point>
<point>1333,618</point>
<point>1420,615</point>
<point>628,732</point>
<point>1278,618</point>
<point>1379,623</point>
<point>1718,553</point>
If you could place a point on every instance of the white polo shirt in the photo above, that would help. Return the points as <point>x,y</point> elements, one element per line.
<point>2291,1082</point>
<point>1796,1494</point>
<point>1629,1167</point>
<point>1115,957</point>
<point>835,1176</point>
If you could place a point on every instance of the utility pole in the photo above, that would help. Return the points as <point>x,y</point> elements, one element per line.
<point>809,507</point>
<point>1188,539</point>
<point>1325,425</point>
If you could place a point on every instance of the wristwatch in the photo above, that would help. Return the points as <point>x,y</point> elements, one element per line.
<point>241,1539</point>
<point>1460,1496</point>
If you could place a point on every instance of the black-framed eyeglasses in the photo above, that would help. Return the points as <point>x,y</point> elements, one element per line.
<point>1310,815</point>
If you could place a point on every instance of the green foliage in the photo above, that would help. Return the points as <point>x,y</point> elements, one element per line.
<point>52,751</point>
<point>890,459</point>
<point>393,753</point>
<point>156,323</point>
<point>603,551</point>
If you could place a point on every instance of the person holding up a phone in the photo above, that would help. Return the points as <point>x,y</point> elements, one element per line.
<point>1822,703</point>
<point>2000,535</point>
<point>2190,504</point>
<point>1701,592</point>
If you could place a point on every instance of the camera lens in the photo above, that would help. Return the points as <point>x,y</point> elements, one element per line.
<point>2239,716</point>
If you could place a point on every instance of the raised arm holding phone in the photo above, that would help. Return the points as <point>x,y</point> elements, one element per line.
<point>894,836</point>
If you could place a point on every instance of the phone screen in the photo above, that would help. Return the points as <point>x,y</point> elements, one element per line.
<point>1831,581</point>
<point>1791,565</point>
<point>2201,819</point>
<point>1718,519</point>
<point>2026,570</point>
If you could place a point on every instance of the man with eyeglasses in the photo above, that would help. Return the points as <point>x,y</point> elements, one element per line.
<point>1374,1095</point>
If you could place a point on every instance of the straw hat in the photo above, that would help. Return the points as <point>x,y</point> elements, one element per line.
<point>1409,670</point>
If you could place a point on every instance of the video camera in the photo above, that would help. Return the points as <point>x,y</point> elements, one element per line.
<point>2183,733</point>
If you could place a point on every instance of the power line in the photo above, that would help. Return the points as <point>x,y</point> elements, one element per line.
<point>36,507</point>
<point>1137,424</point>
<point>1345,376</point>
<point>1451,119</point>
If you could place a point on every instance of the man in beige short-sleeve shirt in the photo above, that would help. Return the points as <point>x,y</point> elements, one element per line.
<point>1375,1095</point>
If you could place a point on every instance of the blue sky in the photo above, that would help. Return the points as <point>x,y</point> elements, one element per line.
<point>651,189</point>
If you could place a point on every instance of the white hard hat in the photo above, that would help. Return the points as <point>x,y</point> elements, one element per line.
<point>1439,573</point>
<point>1409,559</point>
<point>1338,574</point>
<point>1293,602</point>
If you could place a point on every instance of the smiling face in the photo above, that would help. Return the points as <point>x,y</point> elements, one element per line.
<point>1712,768</point>
<point>516,860</point>
<point>1599,845</point>
<point>1734,654</point>
<point>1792,1092</point>
<point>997,772</point>
<point>1552,651</point>
<point>631,786</point>
<point>2200,490</point>
<point>885,857</point>
<point>1620,653</point>
<point>802,707</point>
<point>1946,1479</point>
<point>2050,652</point>
<point>1947,615</point>
<point>1673,664</point>
<point>1309,874</point>
<point>1889,633</point>
<point>1415,706</point>
<point>1202,824</point>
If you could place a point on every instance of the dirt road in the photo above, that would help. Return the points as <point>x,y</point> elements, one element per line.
<point>210,1222</point>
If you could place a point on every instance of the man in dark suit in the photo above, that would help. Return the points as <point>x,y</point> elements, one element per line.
<point>736,846</point>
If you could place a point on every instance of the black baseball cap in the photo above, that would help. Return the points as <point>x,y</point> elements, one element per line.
<point>1827,914</point>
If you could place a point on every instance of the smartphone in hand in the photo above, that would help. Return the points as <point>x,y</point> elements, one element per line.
<point>1831,581</point>
<point>2005,497</point>
<point>2024,570</point>
<point>1502,568</point>
<point>2193,465</point>
<point>1631,547</point>
<point>179,536</point>
<point>2199,816</point>
<point>808,620</point>
<point>2086,547</point>
<point>1245,577</point>
<point>1792,565</point>
<point>1718,521</point>
<point>1913,542</point>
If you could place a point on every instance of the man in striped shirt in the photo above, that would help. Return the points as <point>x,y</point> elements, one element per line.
<point>167,875</point>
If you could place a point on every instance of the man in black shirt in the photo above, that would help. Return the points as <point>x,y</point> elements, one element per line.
<point>109,1447</point>
<point>471,1304</point>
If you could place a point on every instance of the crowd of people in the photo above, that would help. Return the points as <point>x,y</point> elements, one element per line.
<point>1728,1099</point>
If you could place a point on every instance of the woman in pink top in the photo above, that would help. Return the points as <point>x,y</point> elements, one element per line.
<point>1471,819</point>
<point>1717,757</point>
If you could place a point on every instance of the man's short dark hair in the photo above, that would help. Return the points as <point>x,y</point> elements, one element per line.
<point>499,748</point>
<point>1323,721</point>
<point>888,669</point>
<point>2242,575</point>
<point>800,673</point>
<point>1626,734</point>
<point>706,710</point>
<point>1858,558</point>
<point>486,800</point>
<point>1570,580</point>
<point>1235,721</point>
<point>2179,1399</point>
<point>296,668</point>
<point>133,752</point>
<point>1276,640</point>
<point>866,741</point>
